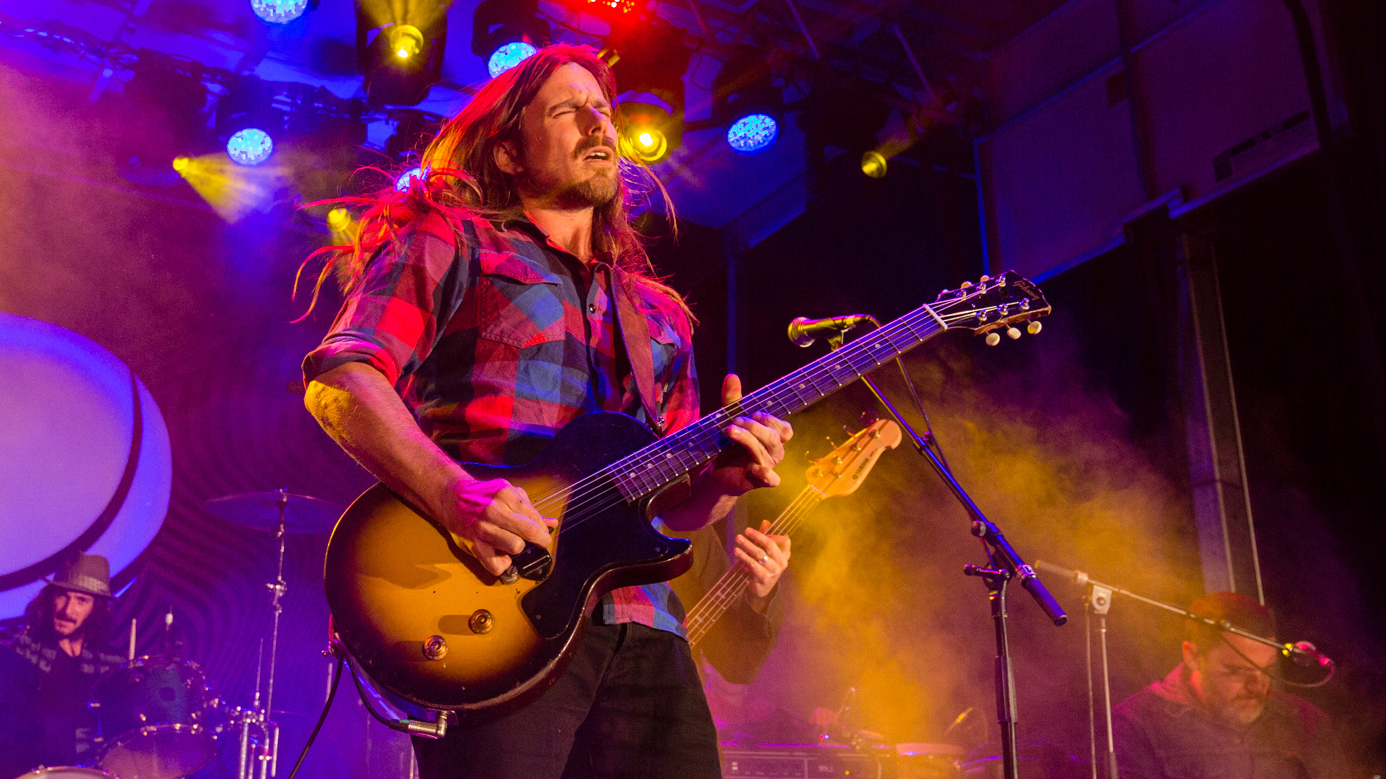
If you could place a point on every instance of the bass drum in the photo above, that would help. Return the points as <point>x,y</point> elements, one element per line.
<point>153,716</point>
<point>67,772</point>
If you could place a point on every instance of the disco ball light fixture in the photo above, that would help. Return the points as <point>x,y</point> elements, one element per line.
<point>279,11</point>
<point>250,146</point>
<point>753,133</point>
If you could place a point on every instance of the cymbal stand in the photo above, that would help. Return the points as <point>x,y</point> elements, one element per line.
<point>259,720</point>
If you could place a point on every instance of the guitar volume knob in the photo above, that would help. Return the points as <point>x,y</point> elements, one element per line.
<point>481,621</point>
<point>435,648</point>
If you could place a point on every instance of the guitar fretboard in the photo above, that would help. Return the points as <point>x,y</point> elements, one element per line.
<point>672,457</point>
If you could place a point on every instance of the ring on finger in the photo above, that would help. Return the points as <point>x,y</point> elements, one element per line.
<point>764,558</point>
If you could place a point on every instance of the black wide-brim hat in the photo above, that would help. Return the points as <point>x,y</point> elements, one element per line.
<point>89,573</point>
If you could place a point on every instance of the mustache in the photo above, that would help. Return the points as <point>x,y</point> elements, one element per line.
<point>593,142</point>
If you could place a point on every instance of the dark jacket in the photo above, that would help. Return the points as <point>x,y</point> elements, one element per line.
<point>1162,732</point>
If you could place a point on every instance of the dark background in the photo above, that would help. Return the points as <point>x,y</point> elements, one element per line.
<point>1070,440</point>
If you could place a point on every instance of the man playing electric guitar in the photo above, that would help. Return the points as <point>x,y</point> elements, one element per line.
<point>498,299</point>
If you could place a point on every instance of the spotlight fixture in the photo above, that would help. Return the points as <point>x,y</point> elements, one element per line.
<point>745,98</point>
<point>649,65</point>
<point>250,146</point>
<point>649,132</point>
<point>279,11</point>
<point>613,12</point>
<point>846,112</point>
<point>506,32</point>
<point>338,219</point>
<point>399,49</point>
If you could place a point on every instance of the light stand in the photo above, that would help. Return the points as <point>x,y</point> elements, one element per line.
<point>1004,564</point>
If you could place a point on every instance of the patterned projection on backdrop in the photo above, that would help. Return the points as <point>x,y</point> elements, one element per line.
<point>84,458</point>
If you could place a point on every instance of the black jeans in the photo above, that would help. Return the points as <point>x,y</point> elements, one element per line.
<point>629,705</point>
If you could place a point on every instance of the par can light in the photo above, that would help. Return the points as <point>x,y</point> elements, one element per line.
<point>753,133</point>
<point>407,179</point>
<point>508,56</point>
<point>250,146</point>
<point>279,11</point>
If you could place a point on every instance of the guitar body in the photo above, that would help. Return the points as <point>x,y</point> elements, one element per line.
<point>425,621</point>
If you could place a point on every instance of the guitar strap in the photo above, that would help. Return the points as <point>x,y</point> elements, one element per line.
<point>635,333</point>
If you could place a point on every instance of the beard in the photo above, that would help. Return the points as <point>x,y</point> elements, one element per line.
<point>593,192</point>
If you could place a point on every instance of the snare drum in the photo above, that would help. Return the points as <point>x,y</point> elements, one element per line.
<point>152,716</point>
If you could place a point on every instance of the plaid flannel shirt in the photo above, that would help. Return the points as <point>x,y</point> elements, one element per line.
<point>496,338</point>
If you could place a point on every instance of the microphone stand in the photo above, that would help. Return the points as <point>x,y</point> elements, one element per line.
<point>1098,602</point>
<point>1004,564</point>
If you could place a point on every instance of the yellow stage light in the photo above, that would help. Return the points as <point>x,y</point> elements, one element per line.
<point>339,219</point>
<point>405,40</point>
<point>180,164</point>
<point>873,164</point>
<point>647,144</point>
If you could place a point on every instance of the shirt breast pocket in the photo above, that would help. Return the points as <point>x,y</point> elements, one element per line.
<point>664,349</point>
<point>519,306</point>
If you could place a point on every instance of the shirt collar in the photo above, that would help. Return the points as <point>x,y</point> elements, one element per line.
<point>523,223</point>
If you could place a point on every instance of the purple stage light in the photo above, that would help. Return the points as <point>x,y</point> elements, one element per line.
<point>753,133</point>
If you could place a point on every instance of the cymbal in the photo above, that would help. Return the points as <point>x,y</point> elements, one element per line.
<point>260,511</point>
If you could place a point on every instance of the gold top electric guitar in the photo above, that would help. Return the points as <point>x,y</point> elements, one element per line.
<point>423,619</point>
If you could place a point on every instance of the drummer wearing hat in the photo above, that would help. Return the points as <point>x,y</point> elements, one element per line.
<point>65,627</point>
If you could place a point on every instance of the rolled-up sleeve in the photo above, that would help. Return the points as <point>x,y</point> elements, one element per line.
<point>390,319</point>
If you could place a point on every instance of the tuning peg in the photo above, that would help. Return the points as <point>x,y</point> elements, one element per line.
<point>966,284</point>
<point>1034,327</point>
<point>984,279</point>
<point>1012,333</point>
<point>993,339</point>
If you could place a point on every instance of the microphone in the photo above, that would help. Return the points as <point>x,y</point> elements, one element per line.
<point>804,331</point>
<point>1077,577</point>
<point>1307,655</point>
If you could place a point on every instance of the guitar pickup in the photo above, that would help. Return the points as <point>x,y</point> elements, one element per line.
<point>533,563</point>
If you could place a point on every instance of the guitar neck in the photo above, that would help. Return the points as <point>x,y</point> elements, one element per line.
<point>733,583</point>
<point>669,459</point>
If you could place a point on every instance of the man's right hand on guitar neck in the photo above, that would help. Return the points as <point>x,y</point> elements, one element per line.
<point>493,519</point>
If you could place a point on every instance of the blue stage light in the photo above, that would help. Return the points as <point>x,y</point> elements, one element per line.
<point>250,146</point>
<point>407,178</point>
<point>508,56</point>
<point>753,133</point>
<point>279,11</point>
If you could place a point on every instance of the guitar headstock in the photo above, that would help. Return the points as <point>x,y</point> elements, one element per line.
<point>843,471</point>
<point>993,304</point>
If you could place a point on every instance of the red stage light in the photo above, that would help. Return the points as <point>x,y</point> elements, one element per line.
<point>612,11</point>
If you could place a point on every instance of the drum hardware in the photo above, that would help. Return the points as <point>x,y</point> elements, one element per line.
<point>152,717</point>
<point>280,512</point>
<point>66,772</point>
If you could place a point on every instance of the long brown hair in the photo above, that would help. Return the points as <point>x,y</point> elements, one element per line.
<point>461,179</point>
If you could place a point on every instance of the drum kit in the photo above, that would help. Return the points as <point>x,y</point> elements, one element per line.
<point>158,718</point>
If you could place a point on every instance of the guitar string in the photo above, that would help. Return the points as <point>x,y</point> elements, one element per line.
<point>589,505</point>
<point>731,584</point>
<point>846,355</point>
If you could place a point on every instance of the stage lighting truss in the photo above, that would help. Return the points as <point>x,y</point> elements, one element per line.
<point>506,32</point>
<point>399,49</point>
<point>846,112</point>
<point>280,11</point>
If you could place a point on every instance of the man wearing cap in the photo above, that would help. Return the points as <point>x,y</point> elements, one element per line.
<point>65,626</point>
<point>1215,714</point>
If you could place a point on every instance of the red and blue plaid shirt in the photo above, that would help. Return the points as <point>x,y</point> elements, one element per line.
<point>496,338</point>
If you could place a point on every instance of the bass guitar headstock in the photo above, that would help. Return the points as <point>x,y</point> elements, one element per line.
<point>843,471</point>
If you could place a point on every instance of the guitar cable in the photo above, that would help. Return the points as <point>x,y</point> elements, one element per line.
<point>326,707</point>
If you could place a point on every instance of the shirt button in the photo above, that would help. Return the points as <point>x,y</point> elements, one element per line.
<point>591,308</point>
